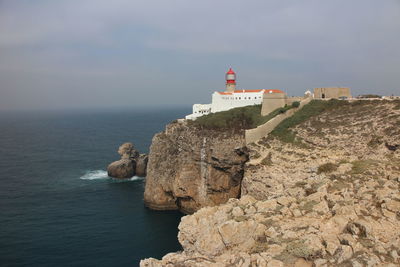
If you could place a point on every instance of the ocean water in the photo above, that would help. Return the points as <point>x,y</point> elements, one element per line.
<point>57,205</point>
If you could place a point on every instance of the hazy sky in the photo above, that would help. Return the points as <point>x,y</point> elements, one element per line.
<point>110,53</point>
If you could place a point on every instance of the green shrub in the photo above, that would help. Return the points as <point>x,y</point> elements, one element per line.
<point>360,166</point>
<point>281,110</point>
<point>370,96</point>
<point>255,155</point>
<point>397,104</point>
<point>237,119</point>
<point>375,141</point>
<point>314,108</point>
<point>327,167</point>
<point>296,104</point>
<point>299,249</point>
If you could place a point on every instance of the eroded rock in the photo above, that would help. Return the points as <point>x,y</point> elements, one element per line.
<point>190,168</point>
<point>131,163</point>
<point>141,165</point>
<point>291,213</point>
<point>124,168</point>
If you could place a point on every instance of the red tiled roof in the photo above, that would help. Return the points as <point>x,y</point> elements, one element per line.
<point>266,91</point>
<point>224,93</point>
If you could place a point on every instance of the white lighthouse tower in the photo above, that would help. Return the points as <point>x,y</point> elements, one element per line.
<point>230,81</point>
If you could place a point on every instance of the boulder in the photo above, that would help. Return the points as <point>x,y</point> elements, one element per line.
<point>123,168</point>
<point>128,151</point>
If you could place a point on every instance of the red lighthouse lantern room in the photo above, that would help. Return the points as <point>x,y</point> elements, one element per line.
<point>230,81</point>
<point>230,76</point>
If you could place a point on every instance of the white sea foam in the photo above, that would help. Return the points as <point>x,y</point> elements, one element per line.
<point>94,175</point>
<point>101,174</point>
<point>134,178</point>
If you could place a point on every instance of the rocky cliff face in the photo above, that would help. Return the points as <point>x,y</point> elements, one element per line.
<point>331,199</point>
<point>190,168</point>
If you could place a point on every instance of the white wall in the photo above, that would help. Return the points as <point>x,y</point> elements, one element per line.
<point>226,101</point>
<point>199,110</point>
<point>221,102</point>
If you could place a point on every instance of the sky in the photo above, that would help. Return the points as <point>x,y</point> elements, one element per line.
<point>72,54</point>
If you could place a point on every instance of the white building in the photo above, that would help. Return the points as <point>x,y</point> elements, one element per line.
<point>231,98</point>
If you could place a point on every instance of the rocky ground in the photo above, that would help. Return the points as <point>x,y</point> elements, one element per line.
<point>331,198</point>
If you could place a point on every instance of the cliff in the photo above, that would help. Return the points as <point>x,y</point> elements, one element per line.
<point>190,168</point>
<point>321,190</point>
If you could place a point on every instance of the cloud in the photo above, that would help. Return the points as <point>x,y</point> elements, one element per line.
<point>157,44</point>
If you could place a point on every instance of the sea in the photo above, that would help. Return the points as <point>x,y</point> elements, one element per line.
<point>58,207</point>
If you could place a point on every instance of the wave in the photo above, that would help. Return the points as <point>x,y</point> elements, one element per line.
<point>94,175</point>
<point>101,174</point>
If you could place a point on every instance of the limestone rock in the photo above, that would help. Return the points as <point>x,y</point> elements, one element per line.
<point>127,151</point>
<point>275,263</point>
<point>190,168</point>
<point>141,165</point>
<point>131,163</point>
<point>124,168</point>
<point>291,213</point>
<point>344,253</point>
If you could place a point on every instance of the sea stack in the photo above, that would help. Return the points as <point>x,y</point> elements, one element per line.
<point>131,163</point>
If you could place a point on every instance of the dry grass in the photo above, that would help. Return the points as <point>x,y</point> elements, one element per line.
<point>360,166</point>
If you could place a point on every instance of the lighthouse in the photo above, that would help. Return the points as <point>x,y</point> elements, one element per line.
<point>230,81</point>
<point>232,98</point>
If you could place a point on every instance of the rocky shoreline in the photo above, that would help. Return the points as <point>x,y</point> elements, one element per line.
<point>329,199</point>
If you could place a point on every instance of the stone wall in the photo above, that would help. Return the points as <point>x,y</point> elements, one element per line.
<point>332,92</point>
<point>272,101</point>
<point>290,100</point>
<point>256,134</point>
